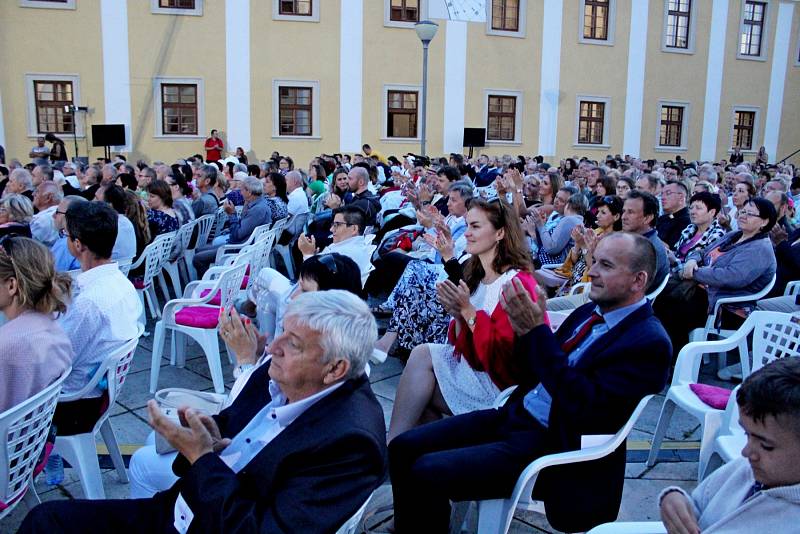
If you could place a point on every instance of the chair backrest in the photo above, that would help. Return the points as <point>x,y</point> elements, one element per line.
<point>280,225</point>
<point>184,237</point>
<point>261,251</point>
<point>580,288</point>
<point>730,417</point>
<point>24,429</point>
<point>792,288</point>
<point>219,223</point>
<point>258,233</point>
<point>156,253</point>
<point>775,335</point>
<point>296,224</point>
<point>124,265</point>
<point>204,226</point>
<point>228,285</point>
<point>657,291</point>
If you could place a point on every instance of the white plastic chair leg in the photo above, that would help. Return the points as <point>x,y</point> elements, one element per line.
<point>180,348</point>
<point>162,282</point>
<point>31,498</point>
<point>192,272</point>
<point>81,453</point>
<point>711,425</point>
<point>210,344</point>
<point>155,361</point>
<point>143,316</point>
<point>113,450</point>
<point>493,517</point>
<point>173,269</point>
<point>155,310</point>
<point>667,409</point>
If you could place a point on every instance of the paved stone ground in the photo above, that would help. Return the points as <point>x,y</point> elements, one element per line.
<point>129,421</point>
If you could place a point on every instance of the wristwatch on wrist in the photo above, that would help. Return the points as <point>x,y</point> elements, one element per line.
<point>519,191</point>
<point>471,321</point>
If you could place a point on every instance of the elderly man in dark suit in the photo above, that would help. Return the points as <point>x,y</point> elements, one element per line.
<point>585,379</point>
<point>300,449</point>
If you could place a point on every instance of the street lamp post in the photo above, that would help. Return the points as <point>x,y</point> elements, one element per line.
<point>426,31</point>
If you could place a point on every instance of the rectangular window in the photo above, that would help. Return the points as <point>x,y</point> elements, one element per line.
<point>176,4</point>
<point>743,129</point>
<point>50,97</point>
<point>401,113</point>
<point>178,109</point>
<point>595,19</point>
<point>505,15</point>
<point>501,119</point>
<point>752,31</point>
<point>404,11</point>
<point>295,110</point>
<point>678,18</point>
<point>671,130</point>
<point>295,7</point>
<point>591,121</point>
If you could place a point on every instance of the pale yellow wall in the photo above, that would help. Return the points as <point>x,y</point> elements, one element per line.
<point>677,77</point>
<point>490,66</point>
<point>596,70</point>
<point>745,82</point>
<point>393,56</point>
<point>789,139</point>
<point>175,46</point>
<point>306,51</point>
<point>28,44</point>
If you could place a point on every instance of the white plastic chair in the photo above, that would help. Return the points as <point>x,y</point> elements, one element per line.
<point>24,429</point>
<point>232,248</point>
<point>351,524</point>
<point>775,335</point>
<point>731,439</point>
<point>124,265</point>
<point>657,291</point>
<point>227,285</point>
<point>792,288</point>
<point>494,516</point>
<point>295,226</point>
<point>219,223</point>
<point>152,256</point>
<point>80,450</point>
<point>172,262</point>
<point>580,288</point>
<point>204,226</point>
<point>701,334</point>
<point>631,527</point>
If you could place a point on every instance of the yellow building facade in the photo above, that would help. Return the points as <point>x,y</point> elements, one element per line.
<point>652,78</point>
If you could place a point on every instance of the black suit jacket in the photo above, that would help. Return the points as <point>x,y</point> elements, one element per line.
<point>311,478</point>
<point>596,396</point>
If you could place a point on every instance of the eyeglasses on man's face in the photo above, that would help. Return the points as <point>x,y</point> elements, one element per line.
<point>339,224</point>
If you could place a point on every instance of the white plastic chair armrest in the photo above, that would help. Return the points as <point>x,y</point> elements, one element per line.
<point>744,298</point>
<point>88,388</point>
<point>687,366</point>
<point>503,396</point>
<point>552,265</point>
<point>792,288</point>
<point>630,527</point>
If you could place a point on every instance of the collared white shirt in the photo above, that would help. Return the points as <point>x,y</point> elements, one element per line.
<point>357,249</point>
<point>298,202</point>
<point>43,227</point>
<point>100,319</point>
<point>264,427</point>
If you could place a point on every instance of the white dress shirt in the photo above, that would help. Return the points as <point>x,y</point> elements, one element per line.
<point>264,427</point>
<point>298,202</point>
<point>43,228</point>
<point>100,319</point>
<point>125,245</point>
<point>357,249</point>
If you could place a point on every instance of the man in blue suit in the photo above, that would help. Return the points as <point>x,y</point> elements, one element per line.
<point>300,449</point>
<point>585,379</point>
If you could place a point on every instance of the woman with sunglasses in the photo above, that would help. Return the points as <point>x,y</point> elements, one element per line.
<point>469,371</point>
<point>34,350</point>
<point>741,263</point>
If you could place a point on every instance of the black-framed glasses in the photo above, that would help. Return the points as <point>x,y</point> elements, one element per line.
<point>337,224</point>
<point>329,262</point>
<point>61,212</point>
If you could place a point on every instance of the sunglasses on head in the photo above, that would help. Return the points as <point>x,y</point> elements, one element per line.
<point>329,262</point>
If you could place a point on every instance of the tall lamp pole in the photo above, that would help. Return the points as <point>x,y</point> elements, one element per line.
<point>426,31</point>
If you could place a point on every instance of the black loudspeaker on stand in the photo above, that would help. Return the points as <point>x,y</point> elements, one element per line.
<point>108,135</point>
<point>474,137</point>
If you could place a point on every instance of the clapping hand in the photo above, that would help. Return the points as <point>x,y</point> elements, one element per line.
<point>241,337</point>
<point>428,217</point>
<point>590,239</point>
<point>454,298</point>
<point>523,313</point>
<point>502,184</point>
<point>442,241</point>
<point>577,235</point>
<point>778,235</point>
<point>516,177</point>
<point>307,245</point>
<point>529,225</point>
<point>198,435</point>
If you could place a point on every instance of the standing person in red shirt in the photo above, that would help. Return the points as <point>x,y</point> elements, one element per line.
<point>214,146</point>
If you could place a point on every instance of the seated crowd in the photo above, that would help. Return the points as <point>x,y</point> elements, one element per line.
<point>467,258</point>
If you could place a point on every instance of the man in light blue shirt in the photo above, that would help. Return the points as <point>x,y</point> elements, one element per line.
<point>64,260</point>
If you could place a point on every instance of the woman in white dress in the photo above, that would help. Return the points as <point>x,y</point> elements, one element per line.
<point>469,371</point>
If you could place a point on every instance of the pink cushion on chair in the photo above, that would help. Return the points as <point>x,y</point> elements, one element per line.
<point>713,396</point>
<point>198,317</point>
<point>138,283</point>
<point>245,280</point>
<point>216,300</point>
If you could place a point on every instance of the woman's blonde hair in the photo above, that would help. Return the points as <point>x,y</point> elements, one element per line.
<point>18,207</point>
<point>39,286</point>
<point>137,214</point>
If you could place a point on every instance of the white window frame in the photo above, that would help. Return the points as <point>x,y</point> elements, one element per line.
<point>276,107</point>
<point>158,116</point>
<point>692,30</point>
<point>314,17</point>
<point>158,10</point>
<point>764,34</point>
<point>40,4</point>
<point>684,126</point>
<point>385,112</point>
<point>520,33</point>
<point>517,115</point>
<point>30,77</point>
<point>756,128</point>
<point>387,14</point>
<point>606,121</point>
<point>612,25</point>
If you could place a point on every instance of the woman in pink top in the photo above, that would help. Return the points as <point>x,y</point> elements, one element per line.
<point>34,351</point>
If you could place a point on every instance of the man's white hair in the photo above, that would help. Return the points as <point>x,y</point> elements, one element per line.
<point>347,327</point>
